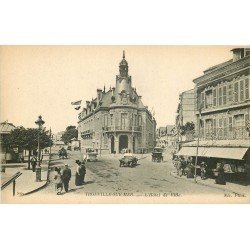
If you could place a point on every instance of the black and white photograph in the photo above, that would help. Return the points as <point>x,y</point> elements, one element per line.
<point>125,124</point>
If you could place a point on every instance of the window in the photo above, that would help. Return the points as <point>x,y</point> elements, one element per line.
<point>247,88</point>
<point>220,96</point>
<point>208,100</point>
<point>230,93</point>
<point>225,126</point>
<point>202,100</point>
<point>214,98</point>
<point>140,120</point>
<point>224,95</point>
<point>135,120</point>
<point>105,120</point>
<point>123,120</point>
<point>239,124</point>
<point>236,89</point>
<point>220,127</point>
<point>246,119</point>
<point>214,127</point>
<point>111,120</point>
<point>208,127</point>
<point>241,91</point>
<point>239,120</point>
<point>230,124</point>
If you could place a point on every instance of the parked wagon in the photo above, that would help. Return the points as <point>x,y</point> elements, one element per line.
<point>157,154</point>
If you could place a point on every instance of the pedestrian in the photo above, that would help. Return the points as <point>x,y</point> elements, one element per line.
<point>58,181</point>
<point>183,166</point>
<point>203,170</point>
<point>190,170</point>
<point>33,163</point>
<point>82,171</point>
<point>66,176</point>
<point>221,178</point>
<point>78,176</point>
<point>178,167</point>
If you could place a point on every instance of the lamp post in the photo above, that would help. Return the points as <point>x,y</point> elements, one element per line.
<point>39,122</point>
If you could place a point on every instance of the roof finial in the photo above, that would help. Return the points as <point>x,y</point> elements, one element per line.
<point>123,54</point>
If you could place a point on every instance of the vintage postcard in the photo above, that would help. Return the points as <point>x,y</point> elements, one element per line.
<point>125,124</point>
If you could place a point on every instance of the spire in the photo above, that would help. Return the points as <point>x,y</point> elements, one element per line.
<point>104,88</point>
<point>123,67</point>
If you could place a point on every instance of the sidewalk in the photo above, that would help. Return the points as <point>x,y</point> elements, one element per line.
<point>237,189</point>
<point>26,183</point>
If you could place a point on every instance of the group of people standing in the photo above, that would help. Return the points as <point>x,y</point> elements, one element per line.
<point>61,180</point>
<point>187,168</point>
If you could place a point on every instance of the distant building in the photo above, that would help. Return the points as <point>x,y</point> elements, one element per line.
<point>58,136</point>
<point>185,113</point>
<point>7,154</point>
<point>186,108</point>
<point>117,119</point>
<point>74,144</point>
<point>165,136</point>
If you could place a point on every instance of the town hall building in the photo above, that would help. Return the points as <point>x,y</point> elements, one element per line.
<point>117,119</point>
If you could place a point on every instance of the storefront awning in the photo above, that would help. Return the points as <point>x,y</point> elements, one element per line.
<point>215,152</point>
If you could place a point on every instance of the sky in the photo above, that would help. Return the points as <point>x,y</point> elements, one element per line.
<point>44,80</point>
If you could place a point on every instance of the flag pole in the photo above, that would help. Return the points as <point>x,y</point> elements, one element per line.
<point>197,148</point>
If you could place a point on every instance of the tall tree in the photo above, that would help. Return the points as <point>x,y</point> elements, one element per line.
<point>27,139</point>
<point>189,127</point>
<point>70,133</point>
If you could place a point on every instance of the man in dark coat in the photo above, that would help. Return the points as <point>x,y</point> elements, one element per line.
<point>221,178</point>
<point>33,163</point>
<point>66,175</point>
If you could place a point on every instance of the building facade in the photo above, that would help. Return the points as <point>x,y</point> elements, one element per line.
<point>165,136</point>
<point>222,115</point>
<point>7,154</point>
<point>186,108</point>
<point>185,113</point>
<point>223,98</point>
<point>117,119</point>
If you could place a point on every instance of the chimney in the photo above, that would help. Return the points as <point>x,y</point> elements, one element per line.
<point>238,53</point>
<point>99,94</point>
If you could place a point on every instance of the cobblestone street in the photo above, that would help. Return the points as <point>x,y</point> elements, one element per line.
<point>106,182</point>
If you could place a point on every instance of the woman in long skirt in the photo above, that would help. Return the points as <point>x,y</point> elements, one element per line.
<point>58,181</point>
<point>221,178</point>
<point>78,178</point>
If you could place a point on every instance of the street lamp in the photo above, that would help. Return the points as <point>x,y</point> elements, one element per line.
<point>39,122</point>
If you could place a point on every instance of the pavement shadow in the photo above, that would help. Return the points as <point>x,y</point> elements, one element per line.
<point>88,182</point>
<point>78,188</point>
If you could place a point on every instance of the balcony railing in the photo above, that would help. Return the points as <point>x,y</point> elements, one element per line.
<point>122,128</point>
<point>228,133</point>
<point>87,132</point>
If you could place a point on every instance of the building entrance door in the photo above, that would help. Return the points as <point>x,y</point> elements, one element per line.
<point>112,146</point>
<point>123,142</point>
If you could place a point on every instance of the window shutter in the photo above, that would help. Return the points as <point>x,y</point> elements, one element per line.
<point>247,88</point>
